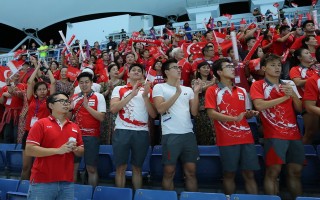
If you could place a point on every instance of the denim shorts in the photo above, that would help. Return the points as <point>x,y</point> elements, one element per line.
<point>51,191</point>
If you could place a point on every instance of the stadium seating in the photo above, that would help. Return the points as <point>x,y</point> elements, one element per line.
<point>7,185</point>
<point>143,194</point>
<point>156,167</point>
<point>145,167</point>
<point>112,193</point>
<point>14,162</point>
<point>3,159</point>
<point>21,192</point>
<point>105,165</point>
<point>83,192</point>
<point>307,198</point>
<point>209,169</point>
<point>253,197</point>
<point>311,171</point>
<point>202,196</point>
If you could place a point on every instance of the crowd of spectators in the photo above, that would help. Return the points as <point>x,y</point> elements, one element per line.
<point>193,83</point>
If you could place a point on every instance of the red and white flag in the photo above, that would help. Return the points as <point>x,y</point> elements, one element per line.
<point>72,73</point>
<point>254,65</point>
<point>294,5</point>
<point>314,2</point>
<point>276,5</point>
<point>151,76</point>
<point>15,65</point>
<point>4,74</point>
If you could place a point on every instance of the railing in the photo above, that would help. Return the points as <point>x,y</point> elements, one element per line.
<point>200,3</point>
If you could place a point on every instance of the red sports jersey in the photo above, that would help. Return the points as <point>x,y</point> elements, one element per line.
<point>230,102</point>
<point>89,125</point>
<point>279,121</point>
<point>312,88</point>
<point>47,133</point>
<point>303,73</point>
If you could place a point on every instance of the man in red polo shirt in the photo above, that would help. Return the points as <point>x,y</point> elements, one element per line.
<point>229,106</point>
<point>89,109</point>
<point>278,101</point>
<point>54,141</point>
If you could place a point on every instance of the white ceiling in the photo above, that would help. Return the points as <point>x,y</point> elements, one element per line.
<point>39,14</point>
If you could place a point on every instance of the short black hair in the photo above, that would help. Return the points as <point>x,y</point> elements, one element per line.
<point>85,74</point>
<point>282,28</point>
<point>136,65</point>
<point>52,98</point>
<point>304,24</point>
<point>217,66</point>
<point>166,65</point>
<point>250,38</point>
<point>268,58</point>
<point>206,48</point>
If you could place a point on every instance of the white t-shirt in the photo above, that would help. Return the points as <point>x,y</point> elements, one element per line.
<point>95,87</point>
<point>134,115</point>
<point>177,120</point>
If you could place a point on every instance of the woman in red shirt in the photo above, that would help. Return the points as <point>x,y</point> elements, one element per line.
<point>37,93</point>
<point>299,74</point>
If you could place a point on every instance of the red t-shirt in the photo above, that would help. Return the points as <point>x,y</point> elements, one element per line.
<point>186,72</point>
<point>230,102</point>
<point>278,121</point>
<point>303,73</point>
<point>146,63</point>
<point>125,74</point>
<point>311,92</point>
<point>37,108</point>
<point>47,133</point>
<point>89,125</point>
<point>14,102</point>
<point>280,47</point>
<point>265,43</point>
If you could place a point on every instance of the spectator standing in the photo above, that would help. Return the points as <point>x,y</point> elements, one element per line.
<point>175,103</point>
<point>54,141</point>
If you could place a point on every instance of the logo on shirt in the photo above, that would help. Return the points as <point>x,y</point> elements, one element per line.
<point>241,96</point>
<point>91,102</point>
<point>49,126</point>
<point>74,130</point>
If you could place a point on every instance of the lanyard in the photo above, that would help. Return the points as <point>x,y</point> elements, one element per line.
<point>37,107</point>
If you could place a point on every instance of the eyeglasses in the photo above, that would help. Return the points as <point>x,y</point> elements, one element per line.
<point>229,66</point>
<point>63,101</point>
<point>175,67</point>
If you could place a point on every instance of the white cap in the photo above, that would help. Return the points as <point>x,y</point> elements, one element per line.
<point>88,70</point>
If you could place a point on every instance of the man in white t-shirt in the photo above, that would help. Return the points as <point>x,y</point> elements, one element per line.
<point>133,103</point>
<point>175,102</point>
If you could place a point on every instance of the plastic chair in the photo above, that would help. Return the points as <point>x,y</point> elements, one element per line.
<point>307,198</point>
<point>253,197</point>
<point>143,194</point>
<point>145,167</point>
<point>112,193</point>
<point>14,162</point>
<point>156,166</point>
<point>202,196</point>
<point>209,169</point>
<point>21,193</point>
<point>7,185</point>
<point>3,158</point>
<point>83,192</point>
<point>310,176</point>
